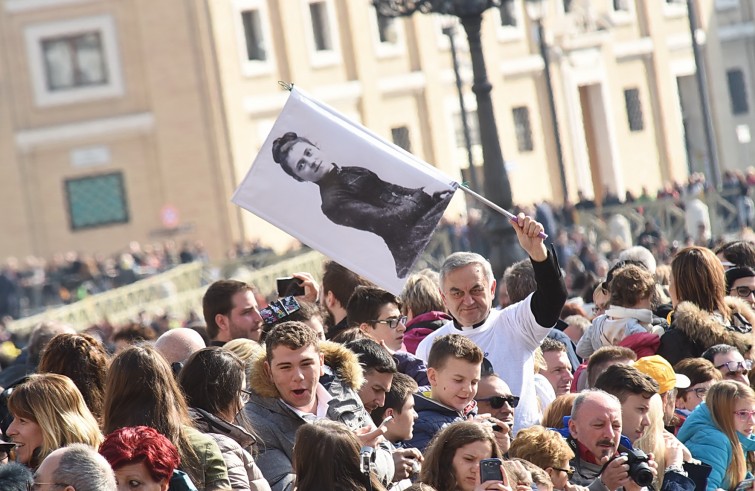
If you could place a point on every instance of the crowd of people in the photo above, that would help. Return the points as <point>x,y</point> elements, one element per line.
<point>31,285</point>
<point>614,368</point>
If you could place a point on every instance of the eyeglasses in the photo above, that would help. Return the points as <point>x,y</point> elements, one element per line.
<point>569,471</point>
<point>744,414</point>
<point>245,395</point>
<point>737,366</point>
<point>743,291</point>
<point>496,402</point>
<point>392,323</point>
<point>700,391</point>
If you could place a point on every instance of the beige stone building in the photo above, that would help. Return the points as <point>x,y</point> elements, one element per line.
<point>136,119</point>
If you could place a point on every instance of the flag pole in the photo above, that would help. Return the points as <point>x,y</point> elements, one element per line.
<point>506,213</point>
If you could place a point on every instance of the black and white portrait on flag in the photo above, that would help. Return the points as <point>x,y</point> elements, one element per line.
<point>345,192</point>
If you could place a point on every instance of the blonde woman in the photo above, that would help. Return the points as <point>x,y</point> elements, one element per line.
<point>719,432</point>
<point>49,413</point>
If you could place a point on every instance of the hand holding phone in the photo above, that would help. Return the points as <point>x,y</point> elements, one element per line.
<point>745,485</point>
<point>490,470</point>
<point>289,286</point>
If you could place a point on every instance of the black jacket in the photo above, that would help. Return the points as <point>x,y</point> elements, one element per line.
<point>405,218</point>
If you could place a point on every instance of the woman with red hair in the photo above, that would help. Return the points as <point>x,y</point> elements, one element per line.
<point>141,458</point>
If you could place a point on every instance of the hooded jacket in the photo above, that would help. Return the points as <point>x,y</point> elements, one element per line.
<point>432,417</point>
<point>276,423</point>
<point>235,444</point>
<point>706,442</point>
<point>614,326</point>
<point>421,325</point>
<point>694,330</point>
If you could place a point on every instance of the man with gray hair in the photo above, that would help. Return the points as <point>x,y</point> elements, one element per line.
<point>507,337</point>
<point>76,467</point>
<point>641,255</point>
<point>594,435</point>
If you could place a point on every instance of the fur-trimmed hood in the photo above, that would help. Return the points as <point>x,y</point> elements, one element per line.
<point>341,361</point>
<point>706,329</point>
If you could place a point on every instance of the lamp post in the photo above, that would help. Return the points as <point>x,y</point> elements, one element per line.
<point>536,13</point>
<point>450,30</point>
<point>703,94</point>
<point>503,249</point>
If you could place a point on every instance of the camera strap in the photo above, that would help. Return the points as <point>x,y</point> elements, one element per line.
<point>366,456</point>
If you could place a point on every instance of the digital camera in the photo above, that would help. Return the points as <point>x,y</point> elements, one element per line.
<point>639,469</point>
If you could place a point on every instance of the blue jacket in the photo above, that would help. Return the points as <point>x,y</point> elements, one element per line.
<point>412,366</point>
<point>709,444</point>
<point>433,416</point>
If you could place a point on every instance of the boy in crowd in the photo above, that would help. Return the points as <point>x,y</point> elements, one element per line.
<point>454,366</point>
<point>633,389</point>
<point>399,403</point>
<point>701,374</point>
<point>376,312</point>
<point>379,370</point>
<point>286,393</point>
<point>558,368</point>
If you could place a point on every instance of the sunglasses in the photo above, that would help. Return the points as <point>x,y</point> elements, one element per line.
<point>743,291</point>
<point>737,366</point>
<point>392,323</point>
<point>496,402</point>
<point>569,471</point>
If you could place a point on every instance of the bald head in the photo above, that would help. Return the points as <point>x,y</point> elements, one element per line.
<point>596,422</point>
<point>79,467</point>
<point>594,397</point>
<point>178,344</point>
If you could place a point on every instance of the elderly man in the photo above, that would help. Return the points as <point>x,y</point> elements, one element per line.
<point>508,337</point>
<point>178,344</point>
<point>76,467</point>
<point>594,434</point>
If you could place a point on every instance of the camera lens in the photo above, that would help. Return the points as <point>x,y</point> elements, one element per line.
<point>641,474</point>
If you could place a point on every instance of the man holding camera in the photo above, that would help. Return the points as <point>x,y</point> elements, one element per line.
<point>594,435</point>
<point>634,389</point>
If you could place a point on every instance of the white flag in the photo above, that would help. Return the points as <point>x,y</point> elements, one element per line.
<point>346,192</point>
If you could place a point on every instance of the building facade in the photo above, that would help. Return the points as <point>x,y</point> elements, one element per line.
<point>130,120</point>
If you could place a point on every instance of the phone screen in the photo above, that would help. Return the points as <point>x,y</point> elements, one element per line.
<point>289,286</point>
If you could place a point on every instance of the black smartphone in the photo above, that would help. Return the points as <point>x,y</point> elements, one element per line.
<point>490,470</point>
<point>289,287</point>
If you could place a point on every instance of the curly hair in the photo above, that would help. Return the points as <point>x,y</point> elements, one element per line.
<point>631,284</point>
<point>544,448</point>
<point>84,360</point>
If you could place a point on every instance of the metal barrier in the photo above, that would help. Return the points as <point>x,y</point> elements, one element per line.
<point>668,215</point>
<point>179,290</point>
